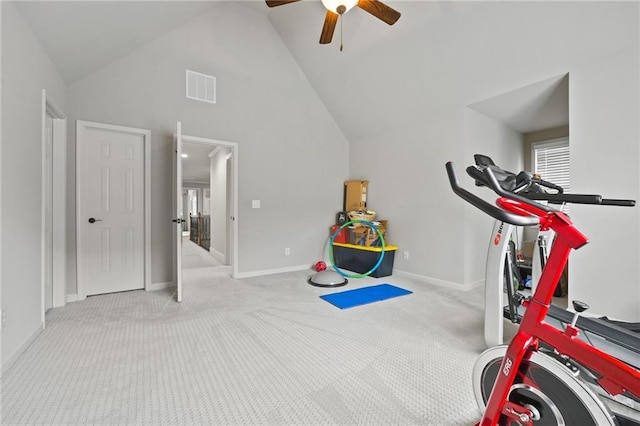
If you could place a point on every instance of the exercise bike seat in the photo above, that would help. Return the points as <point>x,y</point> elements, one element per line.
<point>507,180</point>
<point>524,182</point>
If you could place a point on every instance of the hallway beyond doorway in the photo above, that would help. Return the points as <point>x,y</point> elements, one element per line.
<point>194,256</point>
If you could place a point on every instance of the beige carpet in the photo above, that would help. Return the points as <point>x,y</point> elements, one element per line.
<point>195,256</point>
<point>256,351</point>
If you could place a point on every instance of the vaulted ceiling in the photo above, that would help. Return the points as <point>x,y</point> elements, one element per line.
<point>375,80</point>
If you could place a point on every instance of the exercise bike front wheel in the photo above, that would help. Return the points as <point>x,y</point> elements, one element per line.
<point>552,392</point>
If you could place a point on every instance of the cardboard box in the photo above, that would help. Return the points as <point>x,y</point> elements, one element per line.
<point>367,236</point>
<point>527,249</point>
<point>355,195</point>
<point>362,259</point>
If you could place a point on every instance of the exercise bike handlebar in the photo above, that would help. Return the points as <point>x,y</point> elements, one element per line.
<point>567,198</point>
<point>615,202</point>
<point>491,210</point>
<point>581,199</point>
<point>523,183</point>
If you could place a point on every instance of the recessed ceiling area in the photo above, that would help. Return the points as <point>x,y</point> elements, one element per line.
<point>539,106</point>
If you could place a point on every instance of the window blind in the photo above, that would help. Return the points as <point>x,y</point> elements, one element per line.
<point>551,162</point>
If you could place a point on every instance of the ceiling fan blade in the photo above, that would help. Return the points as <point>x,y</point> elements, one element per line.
<point>274,3</point>
<point>380,10</point>
<point>329,27</point>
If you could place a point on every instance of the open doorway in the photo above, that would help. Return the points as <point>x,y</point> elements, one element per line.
<point>54,135</point>
<point>222,226</point>
<point>197,209</point>
<point>208,203</point>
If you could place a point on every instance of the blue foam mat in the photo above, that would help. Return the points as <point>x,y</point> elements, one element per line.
<point>362,296</point>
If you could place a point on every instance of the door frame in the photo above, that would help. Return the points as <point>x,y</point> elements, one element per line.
<point>232,215</point>
<point>81,125</point>
<point>59,209</point>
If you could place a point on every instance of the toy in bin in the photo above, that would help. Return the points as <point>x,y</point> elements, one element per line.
<point>367,215</point>
<point>368,237</point>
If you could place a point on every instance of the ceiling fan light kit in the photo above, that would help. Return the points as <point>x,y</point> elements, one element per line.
<point>337,8</point>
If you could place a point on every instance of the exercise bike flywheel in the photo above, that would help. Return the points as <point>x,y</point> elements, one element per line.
<point>548,388</point>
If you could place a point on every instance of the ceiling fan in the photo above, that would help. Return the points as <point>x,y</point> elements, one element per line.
<point>337,8</point>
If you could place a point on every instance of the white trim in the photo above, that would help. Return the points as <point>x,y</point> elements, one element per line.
<point>52,109</point>
<point>273,271</point>
<point>13,358</point>
<point>160,286</point>
<point>43,206</point>
<point>220,257</point>
<point>72,298</point>
<point>440,283</point>
<point>80,126</point>
<point>234,261</point>
<point>214,151</point>
<point>59,210</point>
<point>147,209</point>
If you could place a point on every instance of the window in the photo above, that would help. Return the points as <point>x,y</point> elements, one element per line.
<point>551,161</point>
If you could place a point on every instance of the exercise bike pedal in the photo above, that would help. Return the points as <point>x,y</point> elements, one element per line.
<point>520,299</point>
<point>510,311</point>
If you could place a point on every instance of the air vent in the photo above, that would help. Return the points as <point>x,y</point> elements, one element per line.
<point>201,87</point>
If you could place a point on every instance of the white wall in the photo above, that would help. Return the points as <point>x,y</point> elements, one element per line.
<point>486,136</point>
<point>467,52</point>
<point>292,155</point>
<point>26,70</point>
<point>605,159</point>
<point>220,215</point>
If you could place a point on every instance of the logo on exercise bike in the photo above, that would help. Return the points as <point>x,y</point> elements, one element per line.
<point>506,369</point>
<point>498,237</point>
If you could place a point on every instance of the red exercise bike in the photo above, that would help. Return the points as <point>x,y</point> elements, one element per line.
<point>547,375</point>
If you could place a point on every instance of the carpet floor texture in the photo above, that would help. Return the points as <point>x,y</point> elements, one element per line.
<point>264,350</point>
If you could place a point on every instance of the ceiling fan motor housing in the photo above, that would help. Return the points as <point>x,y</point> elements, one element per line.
<point>337,8</point>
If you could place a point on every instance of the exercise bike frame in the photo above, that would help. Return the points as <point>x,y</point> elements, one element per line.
<point>616,376</point>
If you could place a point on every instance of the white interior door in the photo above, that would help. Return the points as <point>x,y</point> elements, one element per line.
<point>177,212</point>
<point>111,208</point>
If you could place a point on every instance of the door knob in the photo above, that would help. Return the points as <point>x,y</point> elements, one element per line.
<point>94,220</point>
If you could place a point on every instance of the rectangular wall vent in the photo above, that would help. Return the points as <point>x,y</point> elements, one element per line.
<point>201,87</point>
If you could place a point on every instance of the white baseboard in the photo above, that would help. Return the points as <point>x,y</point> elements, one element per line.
<point>160,286</point>
<point>152,287</point>
<point>13,358</point>
<point>439,282</point>
<point>220,257</point>
<point>272,271</point>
